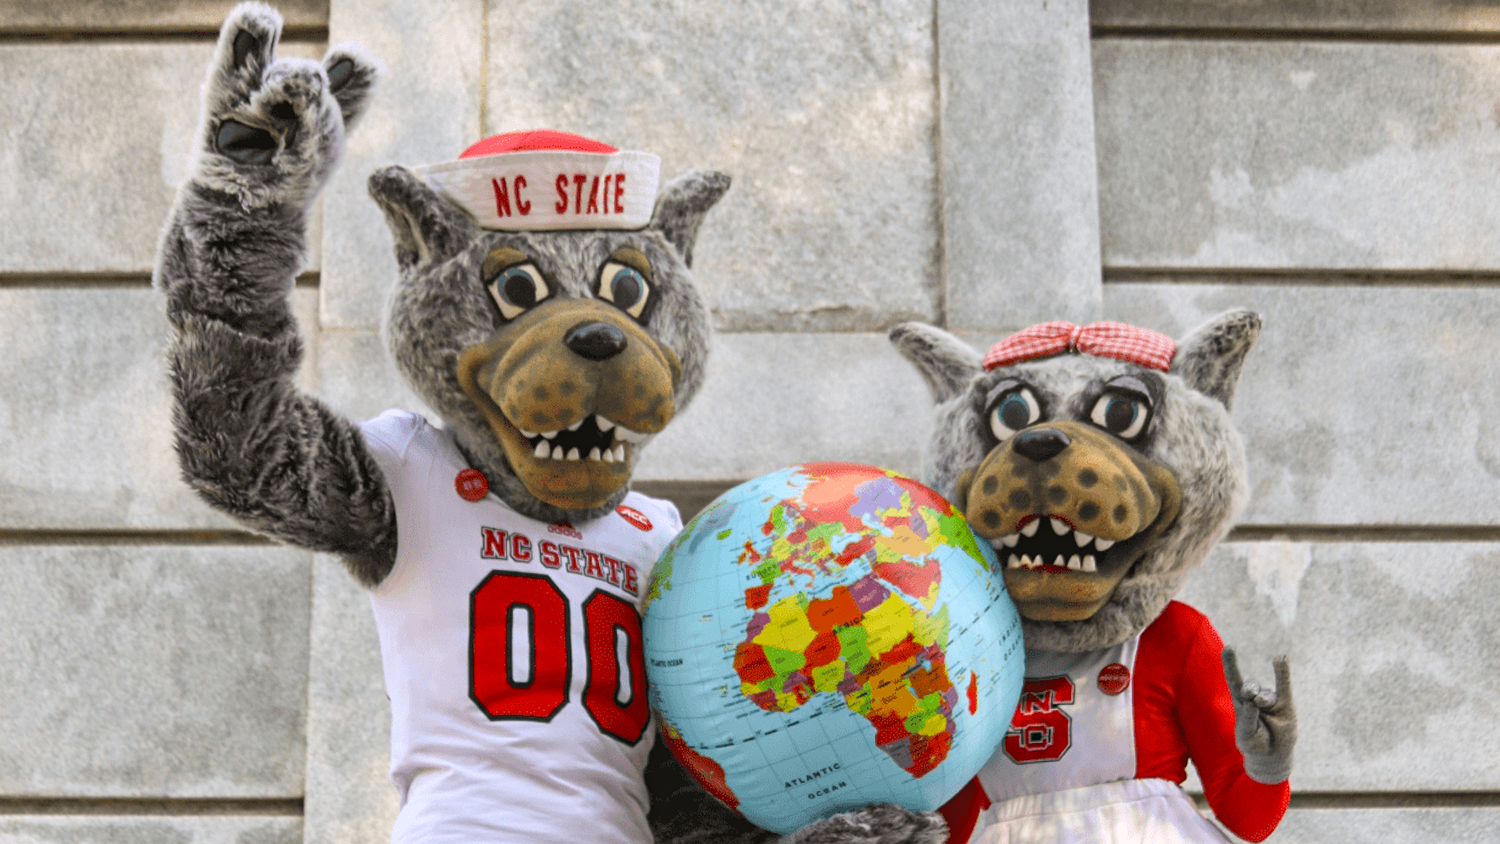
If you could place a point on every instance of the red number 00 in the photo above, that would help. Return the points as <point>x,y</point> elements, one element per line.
<point>508,603</point>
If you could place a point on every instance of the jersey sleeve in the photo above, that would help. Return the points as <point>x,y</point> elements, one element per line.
<point>671,518</point>
<point>388,436</point>
<point>1247,808</point>
<point>391,438</point>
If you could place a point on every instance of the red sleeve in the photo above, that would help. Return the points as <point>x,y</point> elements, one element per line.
<point>962,812</point>
<point>1183,710</point>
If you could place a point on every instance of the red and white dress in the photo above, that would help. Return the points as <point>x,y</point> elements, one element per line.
<point>1099,745</point>
<point>512,656</point>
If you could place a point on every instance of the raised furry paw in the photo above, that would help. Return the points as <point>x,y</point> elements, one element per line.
<point>1265,722</point>
<point>273,128</point>
<point>882,823</point>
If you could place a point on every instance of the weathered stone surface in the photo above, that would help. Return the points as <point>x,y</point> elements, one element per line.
<point>771,400</point>
<point>88,444</point>
<point>96,136</point>
<point>358,379</point>
<point>1394,672</point>
<point>168,671</point>
<point>350,799</point>
<point>1388,826</point>
<point>1359,405</point>
<point>823,112</point>
<point>151,829</point>
<point>425,109</point>
<point>1373,16</point>
<point>1020,212</point>
<point>150,16</point>
<point>1296,154</point>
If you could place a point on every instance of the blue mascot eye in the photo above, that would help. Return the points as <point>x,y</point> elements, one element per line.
<point>1122,416</point>
<point>517,289</point>
<point>1015,410</point>
<point>520,288</point>
<point>625,286</point>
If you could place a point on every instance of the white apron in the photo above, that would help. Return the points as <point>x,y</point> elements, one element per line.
<point>1065,772</point>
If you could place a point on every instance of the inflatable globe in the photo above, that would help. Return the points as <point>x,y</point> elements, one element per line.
<point>830,636</point>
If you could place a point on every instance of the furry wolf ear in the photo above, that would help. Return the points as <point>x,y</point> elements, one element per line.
<point>426,226</point>
<point>947,363</point>
<point>1210,357</point>
<point>682,204</point>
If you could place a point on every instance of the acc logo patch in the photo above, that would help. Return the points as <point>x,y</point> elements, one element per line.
<point>634,516</point>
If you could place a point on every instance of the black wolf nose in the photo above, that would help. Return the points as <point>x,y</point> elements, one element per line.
<point>1041,444</point>
<point>595,340</point>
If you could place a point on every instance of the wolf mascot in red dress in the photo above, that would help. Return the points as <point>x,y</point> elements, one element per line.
<point>1101,463</point>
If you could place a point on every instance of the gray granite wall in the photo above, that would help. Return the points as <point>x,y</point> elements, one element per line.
<point>984,166</point>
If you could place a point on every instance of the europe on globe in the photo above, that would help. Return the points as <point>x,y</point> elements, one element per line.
<point>828,636</point>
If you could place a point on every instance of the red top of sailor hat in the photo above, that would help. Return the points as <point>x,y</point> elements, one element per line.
<point>535,139</point>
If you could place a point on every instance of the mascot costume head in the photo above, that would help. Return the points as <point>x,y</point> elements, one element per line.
<point>551,321</point>
<point>1105,443</point>
<point>546,312</point>
<point>1101,463</point>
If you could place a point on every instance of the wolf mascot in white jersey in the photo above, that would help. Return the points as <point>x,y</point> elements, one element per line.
<point>544,309</point>
<point>1101,463</point>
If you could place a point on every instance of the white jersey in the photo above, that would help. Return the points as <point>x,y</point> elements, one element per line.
<point>512,655</point>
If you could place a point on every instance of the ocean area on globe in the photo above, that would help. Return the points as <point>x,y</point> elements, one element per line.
<point>829,636</point>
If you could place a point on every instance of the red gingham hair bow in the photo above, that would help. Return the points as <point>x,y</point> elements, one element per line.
<point>1100,339</point>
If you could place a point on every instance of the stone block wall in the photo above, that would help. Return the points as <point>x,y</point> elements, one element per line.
<point>983,166</point>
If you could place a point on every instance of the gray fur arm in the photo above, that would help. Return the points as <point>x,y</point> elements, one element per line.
<point>879,824</point>
<point>683,813</point>
<point>248,441</point>
<point>1265,722</point>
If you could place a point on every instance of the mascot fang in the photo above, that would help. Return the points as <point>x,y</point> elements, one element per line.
<point>1102,465</point>
<point>546,312</point>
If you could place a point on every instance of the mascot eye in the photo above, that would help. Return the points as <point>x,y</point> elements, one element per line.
<point>1015,410</point>
<point>1121,415</point>
<point>517,289</point>
<point>626,287</point>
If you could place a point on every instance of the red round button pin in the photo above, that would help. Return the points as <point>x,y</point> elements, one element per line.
<point>1114,678</point>
<point>472,485</point>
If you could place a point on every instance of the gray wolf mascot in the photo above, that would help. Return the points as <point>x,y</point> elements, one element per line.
<point>545,310</point>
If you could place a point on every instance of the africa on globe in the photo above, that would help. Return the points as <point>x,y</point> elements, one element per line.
<point>828,636</point>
